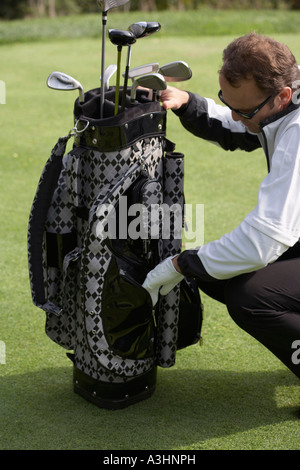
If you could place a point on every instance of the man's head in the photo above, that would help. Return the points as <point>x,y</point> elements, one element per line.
<point>257,73</point>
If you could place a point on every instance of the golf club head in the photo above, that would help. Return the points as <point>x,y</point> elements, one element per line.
<point>153,81</point>
<point>177,71</point>
<point>62,81</point>
<point>143,29</point>
<point>143,70</point>
<point>121,38</point>
<point>107,5</point>
<point>108,73</point>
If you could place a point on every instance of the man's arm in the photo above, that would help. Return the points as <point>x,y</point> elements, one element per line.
<point>208,120</point>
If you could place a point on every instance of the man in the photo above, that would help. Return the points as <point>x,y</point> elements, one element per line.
<point>255,269</point>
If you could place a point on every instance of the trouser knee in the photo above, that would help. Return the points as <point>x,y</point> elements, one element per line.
<point>239,300</point>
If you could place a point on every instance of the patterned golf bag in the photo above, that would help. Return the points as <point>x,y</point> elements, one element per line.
<point>89,252</point>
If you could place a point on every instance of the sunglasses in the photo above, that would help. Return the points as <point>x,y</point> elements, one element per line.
<point>245,115</point>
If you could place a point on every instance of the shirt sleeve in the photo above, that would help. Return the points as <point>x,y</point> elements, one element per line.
<point>271,228</point>
<point>277,213</point>
<point>243,250</point>
<point>212,122</point>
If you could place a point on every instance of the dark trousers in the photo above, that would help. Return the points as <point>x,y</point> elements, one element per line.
<point>266,304</point>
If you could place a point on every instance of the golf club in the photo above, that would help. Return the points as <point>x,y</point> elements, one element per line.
<point>109,72</point>
<point>140,30</point>
<point>153,81</point>
<point>62,81</point>
<point>142,70</point>
<point>120,38</point>
<point>126,77</point>
<point>177,71</point>
<point>106,5</point>
<point>145,28</point>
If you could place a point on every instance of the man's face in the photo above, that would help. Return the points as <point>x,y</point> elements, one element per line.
<point>245,98</point>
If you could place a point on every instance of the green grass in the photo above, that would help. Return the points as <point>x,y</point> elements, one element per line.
<point>203,22</point>
<point>229,394</point>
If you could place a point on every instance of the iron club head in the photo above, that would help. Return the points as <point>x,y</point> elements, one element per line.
<point>62,81</point>
<point>108,73</point>
<point>107,5</point>
<point>153,81</point>
<point>142,70</point>
<point>177,71</point>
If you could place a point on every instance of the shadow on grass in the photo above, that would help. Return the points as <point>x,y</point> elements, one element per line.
<point>40,411</point>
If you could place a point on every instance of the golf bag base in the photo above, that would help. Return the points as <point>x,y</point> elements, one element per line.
<point>114,396</point>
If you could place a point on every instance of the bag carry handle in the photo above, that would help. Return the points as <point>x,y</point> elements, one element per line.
<point>38,215</point>
<point>37,219</point>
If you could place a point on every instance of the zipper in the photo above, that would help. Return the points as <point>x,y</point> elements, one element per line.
<point>123,257</point>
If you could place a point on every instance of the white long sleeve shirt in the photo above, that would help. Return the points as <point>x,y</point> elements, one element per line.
<point>274,225</point>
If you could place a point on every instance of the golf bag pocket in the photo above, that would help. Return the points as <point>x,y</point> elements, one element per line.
<point>128,323</point>
<point>60,326</point>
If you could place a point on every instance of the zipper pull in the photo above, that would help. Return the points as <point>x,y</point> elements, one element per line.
<point>154,318</point>
<point>144,167</point>
<point>146,245</point>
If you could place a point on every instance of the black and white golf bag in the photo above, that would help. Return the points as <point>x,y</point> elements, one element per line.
<point>86,262</point>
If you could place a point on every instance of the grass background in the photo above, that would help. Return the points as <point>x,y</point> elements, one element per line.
<point>230,394</point>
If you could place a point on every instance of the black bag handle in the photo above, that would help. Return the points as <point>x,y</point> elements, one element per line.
<point>37,219</point>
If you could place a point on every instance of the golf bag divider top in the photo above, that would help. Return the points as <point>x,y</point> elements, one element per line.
<point>96,229</point>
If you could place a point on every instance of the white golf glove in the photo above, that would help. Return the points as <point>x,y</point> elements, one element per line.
<point>163,278</point>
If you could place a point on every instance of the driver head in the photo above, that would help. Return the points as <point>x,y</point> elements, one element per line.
<point>119,37</point>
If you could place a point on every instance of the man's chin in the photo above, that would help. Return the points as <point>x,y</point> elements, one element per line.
<point>252,129</point>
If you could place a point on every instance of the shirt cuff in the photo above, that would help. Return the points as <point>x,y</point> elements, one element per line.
<point>191,266</point>
<point>179,112</point>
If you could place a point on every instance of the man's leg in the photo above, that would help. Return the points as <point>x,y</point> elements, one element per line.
<point>266,304</point>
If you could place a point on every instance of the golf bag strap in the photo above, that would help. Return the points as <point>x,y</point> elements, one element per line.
<point>40,206</point>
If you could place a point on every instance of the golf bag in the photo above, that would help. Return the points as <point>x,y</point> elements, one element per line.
<point>86,262</point>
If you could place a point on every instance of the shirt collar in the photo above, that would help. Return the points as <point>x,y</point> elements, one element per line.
<point>292,107</point>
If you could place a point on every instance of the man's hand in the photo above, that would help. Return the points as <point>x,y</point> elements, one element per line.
<point>173,98</point>
<point>163,278</point>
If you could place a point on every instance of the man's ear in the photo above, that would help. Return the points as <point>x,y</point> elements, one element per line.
<point>285,97</point>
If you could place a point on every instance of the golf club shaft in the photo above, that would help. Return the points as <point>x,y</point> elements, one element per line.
<point>126,78</point>
<point>104,21</point>
<point>118,80</point>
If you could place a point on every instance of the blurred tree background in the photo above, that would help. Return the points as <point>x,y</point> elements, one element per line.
<point>13,9</point>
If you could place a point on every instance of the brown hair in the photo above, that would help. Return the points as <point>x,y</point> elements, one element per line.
<point>269,62</point>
